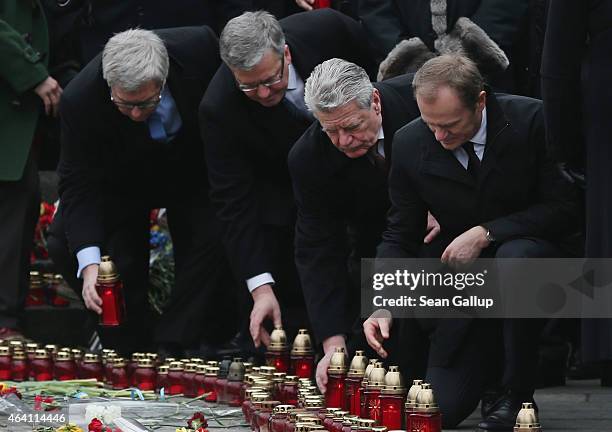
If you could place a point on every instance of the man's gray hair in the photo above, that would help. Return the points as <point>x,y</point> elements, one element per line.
<point>133,58</point>
<point>246,38</point>
<point>335,83</point>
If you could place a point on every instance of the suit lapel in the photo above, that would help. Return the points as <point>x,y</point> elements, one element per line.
<point>498,129</point>
<point>442,163</point>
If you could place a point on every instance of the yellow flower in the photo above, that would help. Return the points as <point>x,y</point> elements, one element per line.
<point>182,429</point>
<point>69,428</point>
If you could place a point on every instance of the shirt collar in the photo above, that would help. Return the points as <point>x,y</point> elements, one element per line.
<point>293,80</point>
<point>481,135</point>
<point>381,134</point>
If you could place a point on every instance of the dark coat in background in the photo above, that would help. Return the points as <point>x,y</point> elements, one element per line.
<point>388,22</point>
<point>247,144</point>
<point>577,89</point>
<point>335,195</point>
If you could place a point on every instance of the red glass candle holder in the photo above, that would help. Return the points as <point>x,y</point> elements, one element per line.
<point>353,390</point>
<point>119,377</point>
<point>108,367</point>
<point>110,290</point>
<point>320,4</point>
<point>210,379</point>
<point>190,387</point>
<point>234,397</point>
<point>264,413</point>
<point>199,379</point>
<point>42,366</point>
<point>30,355</point>
<point>302,365</point>
<point>144,376</point>
<point>132,365</point>
<point>338,424</point>
<point>372,401</point>
<point>64,367</point>
<point>91,367</point>
<point>426,416</point>
<point>280,416</point>
<point>162,377</point>
<point>289,391</point>
<point>5,363</point>
<point>19,367</point>
<point>335,393</point>
<point>279,360</point>
<point>221,390</point>
<point>391,408</point>
<point>175,378</point>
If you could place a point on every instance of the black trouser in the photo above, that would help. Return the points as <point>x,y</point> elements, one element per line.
<point>200,305</point>
<point>500,352</point>
<point>19,210</point>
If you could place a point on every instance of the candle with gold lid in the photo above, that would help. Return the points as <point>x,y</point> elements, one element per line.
<point>302,355</point>
<point>289,390</point>
<point>175,378</point>
<point>190,388</point>
<point>410,405</point>
<point>162,377</point>
<point>264,412</point>
<point>280,415</point>
<point>364,385</point>
<point>144,376</point>
<point>133,364</point>
<point>235,377</point>
<point>355,374</point>
<point>210,379</point>
<point>277,354</point>
<point>110,290</point>
<point>376,382</point>
<point>336,375</point>
<point>200,377</point>
<point>426,416</point>
<point>91,367</point>
<point>19,367</point>
<point>42,365</point>
<point>5,363</point>
<point>527,419</point>
<point>392,399</point>
<point>119,378</point>
<point>64,367</point>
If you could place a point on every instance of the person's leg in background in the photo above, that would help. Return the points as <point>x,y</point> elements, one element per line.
<point>19,210</point>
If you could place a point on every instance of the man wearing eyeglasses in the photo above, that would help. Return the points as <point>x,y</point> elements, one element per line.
<point>130,143</point>
<point>250,116</point>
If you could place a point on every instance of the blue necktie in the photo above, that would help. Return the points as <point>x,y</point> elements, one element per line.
<point>156,128</point>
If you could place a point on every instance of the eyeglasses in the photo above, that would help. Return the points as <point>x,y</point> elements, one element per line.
<point>278,77</point>
<point>143,105</point>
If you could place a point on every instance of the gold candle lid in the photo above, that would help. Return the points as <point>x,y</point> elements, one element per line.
<point>144,362</point>
<point>236,370</point>
<point>379,428</point>
<point>77,353</point>
<point>63,356</point>
<point>282,409</point>
<point>302,344</point>
<point>394,382</point>
<point>337,363</point>
<point>212,371</point>
<point>51,348</point>
<point>425,401</point>
<point>19,355</point>
<point>31,347</point>
<point>201,369</point>
<point>137,356</point>
<point>107,271</point>
<point>36,280</point>
<point>527,419</point>
<point>310,419</point>
<point>376,380</point>
<point>176,366</point>
<point>212,363</point>
<point>412,393</point>
<point>91,358</point>
<point>267,371</point>
<point>291,379</point>
<point>191,368</point>
<point>260,397</point>
<point>358,365</point>
<point>119,362</point>
<point>278,340</point>
<point>197,361</point>
<point>39,354</point>
<point>163,369</point>
<point>307,427</point>
<point>366,422</point>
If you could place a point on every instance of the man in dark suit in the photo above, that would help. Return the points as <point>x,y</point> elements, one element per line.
<point>130,143</point>
<point>339,171</point>
<point>477,162</point>
<point>250,116</point>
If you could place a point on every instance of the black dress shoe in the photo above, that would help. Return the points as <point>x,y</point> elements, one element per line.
<point>489,398</point>
<point>502,416</point>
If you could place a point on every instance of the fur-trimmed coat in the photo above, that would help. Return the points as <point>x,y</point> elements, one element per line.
<point>486,31</point>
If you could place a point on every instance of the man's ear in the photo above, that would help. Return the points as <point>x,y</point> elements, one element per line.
<point>482,100</point>
<point>287,54</point>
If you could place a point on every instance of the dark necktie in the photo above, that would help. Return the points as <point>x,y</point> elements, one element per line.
<point>473,167</point>
<point>377,159</point>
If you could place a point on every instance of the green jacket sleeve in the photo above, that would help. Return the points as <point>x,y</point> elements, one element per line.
<point>21,66</point>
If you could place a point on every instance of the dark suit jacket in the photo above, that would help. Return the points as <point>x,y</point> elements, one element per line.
<point>247,144</point>
<point>106,154</point>
<point>334,192</point>
<point>520,192</point>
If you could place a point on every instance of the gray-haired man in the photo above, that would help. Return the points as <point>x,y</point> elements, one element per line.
<point>251,115</point>
<point>130,142</point>
<point>339,171</point>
